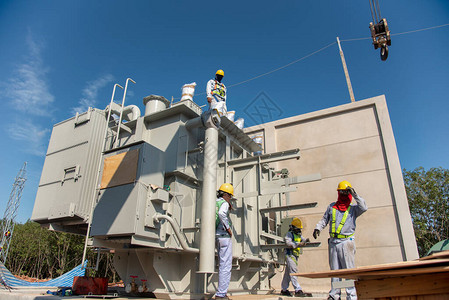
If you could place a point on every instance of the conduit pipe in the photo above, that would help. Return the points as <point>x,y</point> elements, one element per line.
<point>158,217</point>
<point>210,118</point>
<point>207,233</point>
<point>130,112</point>
<point>211,121</point>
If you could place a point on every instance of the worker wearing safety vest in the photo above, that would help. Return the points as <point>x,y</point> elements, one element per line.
<point>216,93</point>
<point>342,218</point>
<point>293,240</point>
<point>223,234</point>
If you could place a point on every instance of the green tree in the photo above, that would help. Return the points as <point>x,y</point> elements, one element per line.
<point>428,198</point>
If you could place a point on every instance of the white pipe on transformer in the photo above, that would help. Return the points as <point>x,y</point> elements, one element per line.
<point>181,240</point>
<point>130,112</point>
<point>207,237</point>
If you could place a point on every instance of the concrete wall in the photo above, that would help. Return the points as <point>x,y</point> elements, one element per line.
<point>351,142</point>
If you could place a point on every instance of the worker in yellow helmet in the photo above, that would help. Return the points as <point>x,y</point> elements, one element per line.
<point>223,235</point>
<point>216,93</point>
<point>293,240</point>
<point>342,218</point>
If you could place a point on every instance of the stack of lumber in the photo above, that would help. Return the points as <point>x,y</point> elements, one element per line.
<point>426,278</point>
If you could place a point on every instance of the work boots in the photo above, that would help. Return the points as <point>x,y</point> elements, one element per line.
<point>300,293</point>
<point>222,298</point>
<point>286,293</point>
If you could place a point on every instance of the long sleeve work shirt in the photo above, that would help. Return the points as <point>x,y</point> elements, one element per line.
<point>350,224</point>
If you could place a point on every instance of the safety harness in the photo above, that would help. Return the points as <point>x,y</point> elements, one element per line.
<point>295,252</point>
<point>335,233</point>
<point>297,239</point>
<point>219,90</point>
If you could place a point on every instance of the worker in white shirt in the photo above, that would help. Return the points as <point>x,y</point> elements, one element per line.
<point>216,93</point>
<point>223,235</point>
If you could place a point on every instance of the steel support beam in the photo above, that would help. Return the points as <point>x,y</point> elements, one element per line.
<point>283,246</point>
<point>288,207</point>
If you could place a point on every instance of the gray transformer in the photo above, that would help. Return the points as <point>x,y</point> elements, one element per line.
<point>147,195</point>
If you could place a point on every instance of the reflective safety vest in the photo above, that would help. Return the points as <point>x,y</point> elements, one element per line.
<point>297,239</point>
<point>218,204</point>
<point>335,233</point>
<point>219,90</point>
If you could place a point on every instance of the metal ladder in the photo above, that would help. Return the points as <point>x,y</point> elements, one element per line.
<point>120,125</point>
<point>116,144</point>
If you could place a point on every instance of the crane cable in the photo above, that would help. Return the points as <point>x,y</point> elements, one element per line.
<point>399,33</point>
<point>319,50</point>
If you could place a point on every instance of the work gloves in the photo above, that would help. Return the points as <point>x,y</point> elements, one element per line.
<point>352,191</point>
<point>316,233</point>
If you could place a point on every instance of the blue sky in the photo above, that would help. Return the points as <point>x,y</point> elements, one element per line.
<point>59,57</point>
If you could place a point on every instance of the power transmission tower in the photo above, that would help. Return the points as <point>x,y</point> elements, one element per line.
<point>11,212</point>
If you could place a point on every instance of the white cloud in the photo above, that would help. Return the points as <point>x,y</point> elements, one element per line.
<point>90,93</point>
<point>34,136</point>
<point>28,88</point>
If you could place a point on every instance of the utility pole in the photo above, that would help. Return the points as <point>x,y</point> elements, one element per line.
<point>345,68</point>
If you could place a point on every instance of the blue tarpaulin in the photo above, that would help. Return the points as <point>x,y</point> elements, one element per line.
<point>65,280</point>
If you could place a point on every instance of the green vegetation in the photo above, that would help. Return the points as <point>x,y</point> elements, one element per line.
<point>428,198</point>
<point>41,253</point>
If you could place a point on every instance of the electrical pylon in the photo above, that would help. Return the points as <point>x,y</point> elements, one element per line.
<point>11,212</point>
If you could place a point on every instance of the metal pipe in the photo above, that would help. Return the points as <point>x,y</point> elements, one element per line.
<point>89,223</point>
<point>121,111</point>
<point>209,118</point>
<point>194,123</point>
<point>184,245</point>
<point>207,238</point>
<point>130,112</point>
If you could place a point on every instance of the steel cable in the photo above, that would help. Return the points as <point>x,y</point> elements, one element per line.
<point>319,50</point>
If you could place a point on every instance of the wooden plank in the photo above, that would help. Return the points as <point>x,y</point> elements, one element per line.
<point>442,254</point>
<point>403,286</point>
<point>120,169</point>
<point>418,297</point>
<point>404,272</point>
<point>360,271</point>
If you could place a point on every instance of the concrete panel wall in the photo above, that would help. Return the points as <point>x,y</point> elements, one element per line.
<point>351,142</point>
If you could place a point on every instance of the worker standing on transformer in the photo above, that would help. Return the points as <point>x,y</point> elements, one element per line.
<point>223,235</point>
<point>342,216</point>
<point>216,93</point>
<point>294,240</point>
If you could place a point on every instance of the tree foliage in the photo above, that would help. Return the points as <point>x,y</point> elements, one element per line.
<point>41,253</point>
<point>428,197</point>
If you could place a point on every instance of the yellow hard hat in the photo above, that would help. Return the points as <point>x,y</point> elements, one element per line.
<point>343,185</point>
<point>297,223</point>
<point>227,188</point>
<point>220,72</point>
